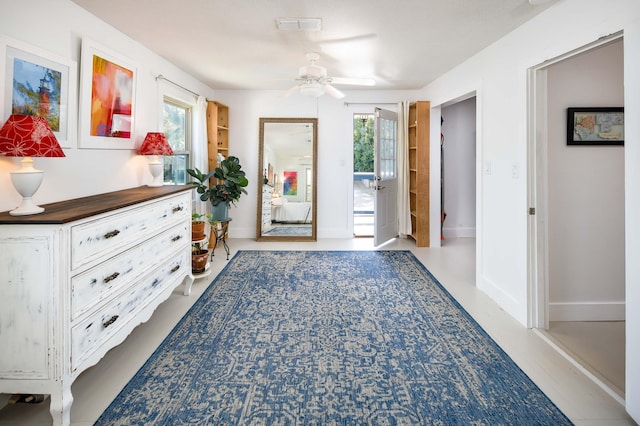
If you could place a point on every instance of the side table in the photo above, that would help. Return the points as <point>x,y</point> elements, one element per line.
<point>221,236</point>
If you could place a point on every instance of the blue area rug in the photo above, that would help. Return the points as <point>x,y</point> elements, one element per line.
<point>297,230</point>
<point>329,338</point>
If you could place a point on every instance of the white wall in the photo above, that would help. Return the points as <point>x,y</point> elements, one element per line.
<point>585,193</point>
<point>335,149</point>
<point>459,146</point>
<point>498,75</point>
<point>58,26</point>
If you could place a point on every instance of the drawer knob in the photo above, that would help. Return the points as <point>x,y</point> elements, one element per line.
<point>110,321</point>
<point>111,277</point>
<point>177,209</point>
<point>176,238</point>
<point>175,268</point>
<point>111,234</point>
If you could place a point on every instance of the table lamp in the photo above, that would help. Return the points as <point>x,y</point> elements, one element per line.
<point>155,143</point>
<point>27,136</point>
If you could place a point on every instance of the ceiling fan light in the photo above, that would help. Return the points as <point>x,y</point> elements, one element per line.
<point>312,90</point>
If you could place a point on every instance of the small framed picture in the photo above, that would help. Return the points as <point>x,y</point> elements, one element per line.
<point>107,98</point>
<point>595,126</point>
<point>37,82</point>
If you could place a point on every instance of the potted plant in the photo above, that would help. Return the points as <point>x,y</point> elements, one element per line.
<point>231,181</point>
<point>197,226</point>
<point>199,257</point>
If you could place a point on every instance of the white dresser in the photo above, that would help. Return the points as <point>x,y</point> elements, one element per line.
<point>266,207</point>
<point>78,278</point>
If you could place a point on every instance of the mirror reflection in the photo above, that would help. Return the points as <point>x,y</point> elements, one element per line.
<point>287,199</point>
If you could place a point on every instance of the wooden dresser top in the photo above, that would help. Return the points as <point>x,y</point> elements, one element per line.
<point>80,208</point>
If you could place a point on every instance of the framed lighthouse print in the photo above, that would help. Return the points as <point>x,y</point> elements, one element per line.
<point>39,83</point>
<point>107,98</point>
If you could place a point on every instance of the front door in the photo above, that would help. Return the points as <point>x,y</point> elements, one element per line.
<point>386,180</point>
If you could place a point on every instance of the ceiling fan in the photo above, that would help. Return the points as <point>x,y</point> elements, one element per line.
<point>315,81</point>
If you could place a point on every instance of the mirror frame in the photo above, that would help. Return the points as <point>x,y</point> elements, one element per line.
<point>314,183</point>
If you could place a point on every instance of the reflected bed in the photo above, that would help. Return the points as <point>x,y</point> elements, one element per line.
<point>283,211</point>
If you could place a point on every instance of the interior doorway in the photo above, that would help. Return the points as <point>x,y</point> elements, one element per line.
<point>577,229</point>
<point>458,170</point>
<point>363,175</point>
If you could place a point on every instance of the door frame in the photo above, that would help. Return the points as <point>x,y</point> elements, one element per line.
<point>537,181</point>
<point>370,115</point>
<point>537,198</point>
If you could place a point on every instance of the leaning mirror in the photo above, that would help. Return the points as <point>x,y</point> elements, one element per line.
<point>287,170</point>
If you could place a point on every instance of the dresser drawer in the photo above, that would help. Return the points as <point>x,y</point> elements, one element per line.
<point>91,334</point>
<point>101,238</point>
<point>99,282</point>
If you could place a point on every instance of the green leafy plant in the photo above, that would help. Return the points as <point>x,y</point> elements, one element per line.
<point>198,247</point>
<point>197,217</point>
<point>231,182</point>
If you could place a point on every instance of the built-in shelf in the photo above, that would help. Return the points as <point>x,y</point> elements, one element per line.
<point>418,144</point>
<point>217,131</point>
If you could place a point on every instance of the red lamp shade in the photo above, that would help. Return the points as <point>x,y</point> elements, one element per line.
<point>28,136</point>
<point>155,143</point>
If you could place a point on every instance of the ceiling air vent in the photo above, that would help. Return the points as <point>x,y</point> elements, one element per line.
<point>299,24</point>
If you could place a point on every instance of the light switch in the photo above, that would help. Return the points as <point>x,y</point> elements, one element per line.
<point>487,167</point>
<point>515,170</point>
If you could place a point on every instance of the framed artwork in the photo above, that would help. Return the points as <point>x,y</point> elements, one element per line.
<point>107,99</point>
<point>290,183</point>
<point>595,126</point>
<point>39,83</point>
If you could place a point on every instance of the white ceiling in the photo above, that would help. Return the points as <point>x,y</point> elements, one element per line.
<point>234,44</point>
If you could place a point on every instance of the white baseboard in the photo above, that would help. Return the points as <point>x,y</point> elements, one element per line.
<point>587,311</point>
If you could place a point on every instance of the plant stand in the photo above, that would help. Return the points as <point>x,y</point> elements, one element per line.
<point>220,233</point>
<point>205,273</point>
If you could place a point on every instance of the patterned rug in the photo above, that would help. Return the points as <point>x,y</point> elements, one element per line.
<point>329,338</point>
<point>297,230</point>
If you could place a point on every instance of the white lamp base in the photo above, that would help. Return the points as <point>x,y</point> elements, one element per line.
<point>27,207</point>
<point>26,181</point>
<point>156,166</point>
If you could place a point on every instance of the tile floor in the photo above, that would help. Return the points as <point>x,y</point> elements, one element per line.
<point>453,265</point>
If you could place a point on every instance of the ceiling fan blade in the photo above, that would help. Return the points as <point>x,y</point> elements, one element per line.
<point>291,91</point>
<point>332,91</point>
<point>353,81</point>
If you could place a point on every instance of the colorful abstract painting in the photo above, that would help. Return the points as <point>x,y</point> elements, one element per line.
<point>111,99</point>
<point>36,91</point>
<point>290,184</point>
